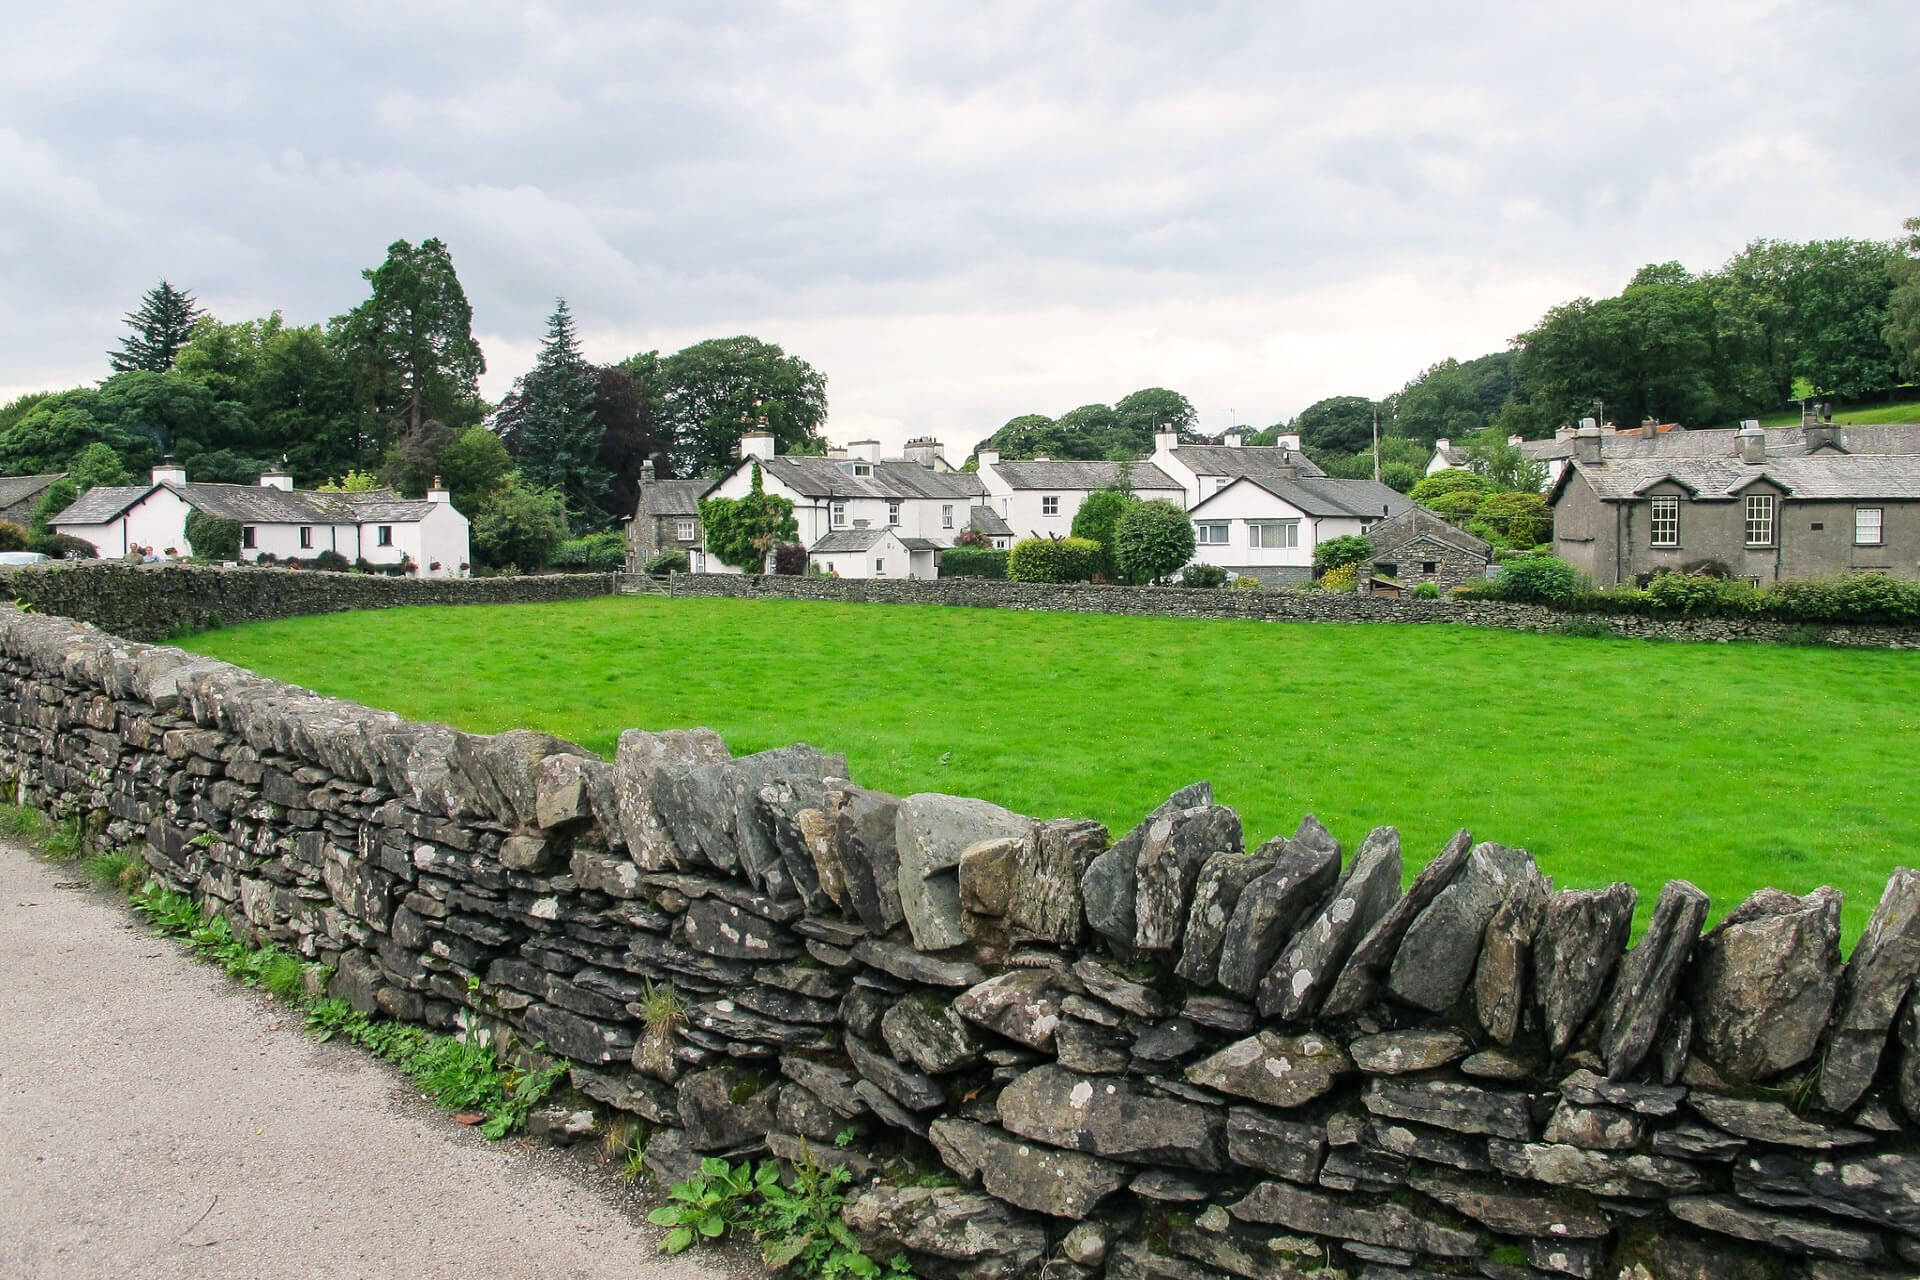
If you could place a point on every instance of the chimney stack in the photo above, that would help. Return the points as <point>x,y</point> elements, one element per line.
<point>1234,439</point>
<point>1288,440</point>
<point>276,479</point>
<point>646,471</point>
<point>169,472</point>
<point>1165,441</point>
<point>439,492</point>
<point>756,444</point>
<point>1563,433</point>
<point>864,450</point>
<point>1586,443</point>
<point>925,451</point>
<point>988,457</point>
<point>1752,442</point>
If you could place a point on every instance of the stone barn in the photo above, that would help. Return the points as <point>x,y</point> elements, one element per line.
<point>1418,546</point>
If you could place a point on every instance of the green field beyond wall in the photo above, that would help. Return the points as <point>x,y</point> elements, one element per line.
<point>1734,766</point>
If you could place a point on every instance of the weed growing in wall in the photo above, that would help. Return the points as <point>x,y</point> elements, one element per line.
<point>797,1225</point>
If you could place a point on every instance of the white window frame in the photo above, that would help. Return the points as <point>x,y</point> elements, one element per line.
<point>383,535</point>
<point>893,513</point>
<point>946,515</point>
<point>879,566</point>
<point>1049,504</point>
<point>1759,512</point>
<point>1879,538</point>
<point>306,537</point>
<point>1210,533</point>
<point>683,531</point>
<point>1663,516</point>
<point>837,514</point>
<point>1274,535</point>
<point>863,468</point>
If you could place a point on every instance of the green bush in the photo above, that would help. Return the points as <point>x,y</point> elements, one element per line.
<point>63,546</point>
<point>1697,596</point>
<point>1454,480</point>
<point>1053,560</point>
<point>1343,577</point>
<point>1152,540</point>
<point>1426,591</point>
<point>672,560</point>
<point>1537,580</point>
<point>1203,575</point>
<point>1097,519</point>
<point>973,562</point>
<point>1246,582</point>
<point>595,553</point>
<point>213,537</point>
<point>332,562</point>
<point>789,559</point>
<point>12,536</point>
<point>1350,548</point>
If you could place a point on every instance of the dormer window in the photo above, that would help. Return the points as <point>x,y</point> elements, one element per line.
<point>863,468</point>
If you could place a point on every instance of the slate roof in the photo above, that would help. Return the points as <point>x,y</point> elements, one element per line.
<point>1224,460</point>
<point>1821,476</point>
<point>1323,496</point>
<point>1720,442</point>
<point>847,540</point>
<point>1418,522</point>
<point>1081,475</point>
<point>253,504</point>
<point>17,489</point>
<point>1454,457</point>
<point>832,478</point>
<point>988,521</point>
<point>672,497</point>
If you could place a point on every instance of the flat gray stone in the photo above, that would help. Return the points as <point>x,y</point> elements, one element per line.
<point>1311,962</point>
<point>1581,938</point>
<point>695,801</point>
<point>1388,1225</point>
<point>1279,1070</point>
<point>640,757</point>
<point>1591,1090</point>
<point>1728,1217</point>
<point>1508,1209</point>
<point>1649,978</point>
<point>1451,1104</point>
<point>931,831</point>
<point>930,1035</point>
<point>1287,1149</point>
<point>1500,976</point>
<point>1604,1173</point>
<point>1882,1190</point>
<point>1023,1005</point>
<point>1061,1184</point>
<point>1273,905</point>
<point>1392,1053</point>
<point>1360,981</point>
<point>1763,982</point>
<point>908,965</point>
<point>982,1238</point>
<point>1772,1122</point>
<point>1885,963</point>
<point>1109,1116</point>
<point>1119,991</point>
<point>715,928</point>
<point>1595,1128</point>
<point>1044,902</point>
<point>1215,895</point>
<point>1436,959</point>
<point>865,826</point>
<point>1168,867</point>
<point>1108,887</point>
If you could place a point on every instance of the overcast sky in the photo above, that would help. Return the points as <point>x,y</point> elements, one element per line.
<point>958,212</point>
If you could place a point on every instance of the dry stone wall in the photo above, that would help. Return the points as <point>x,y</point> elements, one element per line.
<point>1257,606</point>
<point>150,602</point>
<point>1162,1056</point>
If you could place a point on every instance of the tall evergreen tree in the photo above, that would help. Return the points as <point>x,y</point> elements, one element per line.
<point>551,421</point>
<point>411,345</point>
<point>160,327</point>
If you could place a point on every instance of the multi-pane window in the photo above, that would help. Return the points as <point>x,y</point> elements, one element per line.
<point>863,468</point>
<point>1759,519</point>
<point>1050,504</point>
<point>1665,522</point>
<point>684,531</point>
<point>1273,533</point>
<point>383,535</point>
<point>893,511</point>
<point>880,566</point>
<point>1867,526</point>
<point>946,515</point>
<point>1211,533</point>
<point>306,535</point>
<point>838,516</point>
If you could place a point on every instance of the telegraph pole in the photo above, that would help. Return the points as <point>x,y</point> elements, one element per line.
<point>1376,442</point>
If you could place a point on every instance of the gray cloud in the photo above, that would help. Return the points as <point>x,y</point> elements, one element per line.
<point>959,211</point>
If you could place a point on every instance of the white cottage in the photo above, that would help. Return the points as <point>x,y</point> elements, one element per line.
<point>1040,498</point>
<point>1268,527</point>
<point>873,553</point>
<point>275,519</point>
<point>1202,470</point>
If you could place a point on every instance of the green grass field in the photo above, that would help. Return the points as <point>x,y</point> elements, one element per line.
<point>1734,766</point>
<point>1906,411</point>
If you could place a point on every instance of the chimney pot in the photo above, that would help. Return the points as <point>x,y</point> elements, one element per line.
<point>167,471</point>
<point>1586,443</point>
<point>756,444</point>
<point>1752,442</point>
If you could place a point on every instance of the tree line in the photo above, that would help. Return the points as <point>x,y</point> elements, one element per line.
<point>387,396</point>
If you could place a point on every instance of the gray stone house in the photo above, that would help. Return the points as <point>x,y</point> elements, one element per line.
<point>1418,546</point>
<point>666,518</point>
<point>21,495</point>
<point>1818,510</point>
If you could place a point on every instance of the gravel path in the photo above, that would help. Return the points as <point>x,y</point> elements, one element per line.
<point>156,1120</point>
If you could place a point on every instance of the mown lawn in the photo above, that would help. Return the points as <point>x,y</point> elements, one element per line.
<point>1902,412</point>
<point>1734,766</point>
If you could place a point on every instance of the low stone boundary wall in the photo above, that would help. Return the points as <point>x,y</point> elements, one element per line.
<point>150,602</point>
<point>1162,1057</point>
<point>1259,606</point>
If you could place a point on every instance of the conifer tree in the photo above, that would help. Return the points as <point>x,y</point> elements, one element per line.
<point>552,422</point>
<point>160,327</point>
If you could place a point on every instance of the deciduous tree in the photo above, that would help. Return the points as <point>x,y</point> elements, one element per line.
<point>712,391</point>
<point>1152,540</point>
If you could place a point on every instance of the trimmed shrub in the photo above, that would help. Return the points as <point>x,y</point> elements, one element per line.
<point>1246,582</point>
<point>1343,577</point>
<point>1426,591</point>
<point>973,562</point>
<point>1204,575</point>
<point>1152,540</point>
<point>672,560</point>
<point>332,562</point>
<point>1350,548</point>
<point>1053,560</point>
<point>213,537</point>
<point>1097,519</point>
<point>63,546</point>
<point>1537,579</point>
<point>595,553</point>
<point>789,559</point>
<point>12,537</point>
<point>1430,489</point>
